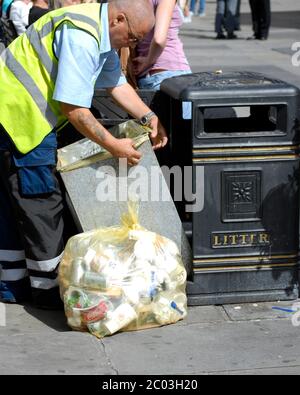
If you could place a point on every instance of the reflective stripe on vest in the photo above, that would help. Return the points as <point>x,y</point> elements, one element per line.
<point>28,71</point>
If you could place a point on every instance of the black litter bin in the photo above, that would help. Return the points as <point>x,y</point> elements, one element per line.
<point>244,133</point>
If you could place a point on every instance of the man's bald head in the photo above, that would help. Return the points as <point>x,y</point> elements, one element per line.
<point>138,16</point>
<point>137,10</point>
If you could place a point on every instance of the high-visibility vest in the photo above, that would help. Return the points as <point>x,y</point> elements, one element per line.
<point>28,71</point>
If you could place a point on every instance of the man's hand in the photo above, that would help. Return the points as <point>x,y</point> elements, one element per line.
<point>158,136</point>
<point>129,100</point>
<point>124,148</point>
<point>84,121</point>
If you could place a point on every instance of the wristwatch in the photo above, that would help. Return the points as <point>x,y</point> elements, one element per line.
<point>146,118</point>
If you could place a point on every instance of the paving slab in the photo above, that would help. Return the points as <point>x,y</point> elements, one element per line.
<point>40,342</point>
<point>281,371</point>
<point>259,311</point>
<point>285,51</point>
<point>53,353</point>
<point>28,320</point>
<point>207,349</point>
<point>205,314</point>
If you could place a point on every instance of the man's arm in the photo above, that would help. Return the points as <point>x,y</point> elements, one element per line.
<point>128,99</point>
<point>84,121</point>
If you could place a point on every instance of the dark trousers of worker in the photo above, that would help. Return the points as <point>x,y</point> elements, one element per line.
<point>31,229</point>
<point>261,17</point>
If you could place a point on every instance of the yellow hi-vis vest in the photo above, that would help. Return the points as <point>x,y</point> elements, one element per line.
<point>28,71</point>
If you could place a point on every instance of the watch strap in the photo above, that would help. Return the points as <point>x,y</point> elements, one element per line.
<point>146,118</point>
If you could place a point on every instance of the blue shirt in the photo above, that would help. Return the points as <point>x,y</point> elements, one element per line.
<point>80,69</point>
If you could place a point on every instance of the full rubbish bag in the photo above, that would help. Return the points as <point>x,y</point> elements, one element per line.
<point>122,278</point>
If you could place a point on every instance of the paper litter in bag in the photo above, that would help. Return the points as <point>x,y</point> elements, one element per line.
<point>122,278</point>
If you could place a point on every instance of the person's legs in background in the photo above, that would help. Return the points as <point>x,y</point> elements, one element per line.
<point>261,18</point>
<point>225,15</point>
<point>264,19</point>
<point>192,7</point>
<point>220,13</point>
<point>238,16</point>
<point>202,7</point>
<point>254,6</point>
<point>230,18</point>
<point>184,8</point>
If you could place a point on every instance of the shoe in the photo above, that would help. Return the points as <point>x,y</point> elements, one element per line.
<point>201,14</point>
<point>187,19</point>
<point>232,36</point>
<point>14,294</point>
<point>50,307</point>
<point>252,38</point>
<point>220,36</point>
<point>7,297</point>
<point>47,300</point>
<point>263,38</point>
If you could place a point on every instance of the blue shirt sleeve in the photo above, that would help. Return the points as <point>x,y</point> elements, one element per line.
<point>111,74</point>
<point>80,64</point>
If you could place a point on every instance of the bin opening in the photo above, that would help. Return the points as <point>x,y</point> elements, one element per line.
<point>243,120</point>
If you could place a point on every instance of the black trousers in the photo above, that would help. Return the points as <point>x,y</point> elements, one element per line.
<point>261,17</point>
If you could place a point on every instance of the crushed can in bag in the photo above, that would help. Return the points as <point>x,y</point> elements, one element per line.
<point>97,312</point>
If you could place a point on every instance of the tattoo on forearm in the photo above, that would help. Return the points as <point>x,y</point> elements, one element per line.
<point>89,123</point>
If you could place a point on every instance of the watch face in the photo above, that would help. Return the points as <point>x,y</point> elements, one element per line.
<point>146,118</point>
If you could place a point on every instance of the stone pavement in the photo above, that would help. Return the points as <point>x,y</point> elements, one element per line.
<point>245,339</point>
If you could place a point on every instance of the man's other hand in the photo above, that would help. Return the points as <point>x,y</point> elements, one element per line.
<point>158,136</point>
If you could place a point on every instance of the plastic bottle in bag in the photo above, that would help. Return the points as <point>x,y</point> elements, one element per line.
<point>169,307</point>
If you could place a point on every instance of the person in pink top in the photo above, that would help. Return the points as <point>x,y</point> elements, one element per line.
<point>160,54</point>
